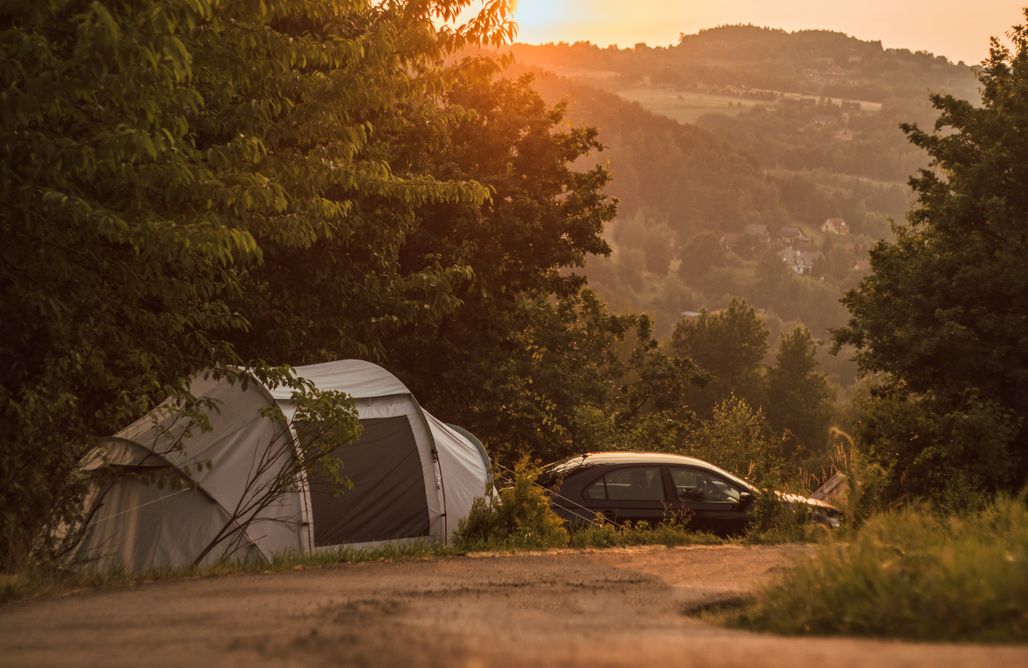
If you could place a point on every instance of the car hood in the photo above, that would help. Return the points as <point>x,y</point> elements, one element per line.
<point>799,498</point>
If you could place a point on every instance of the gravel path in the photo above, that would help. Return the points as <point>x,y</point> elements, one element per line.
<point>603,608</point>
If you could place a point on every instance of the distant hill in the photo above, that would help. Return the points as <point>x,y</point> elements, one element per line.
<point>724,146</point>
<point>809,62</point>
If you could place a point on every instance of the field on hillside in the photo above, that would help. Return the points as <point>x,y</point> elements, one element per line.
<point>688,106</point>
<point>685,106</point>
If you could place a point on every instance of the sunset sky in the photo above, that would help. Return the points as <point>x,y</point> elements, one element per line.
<point>958,29</point>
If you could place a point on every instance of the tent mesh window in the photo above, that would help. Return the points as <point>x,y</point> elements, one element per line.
<point>387,500</point>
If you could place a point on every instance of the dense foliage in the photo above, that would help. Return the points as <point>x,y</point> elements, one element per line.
<point>159,159</point>
<point>943,313</point>
<point>729,347</point>
<point>231,186</point>
<point>528,344</point>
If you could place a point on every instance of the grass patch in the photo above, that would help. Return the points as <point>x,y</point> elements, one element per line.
<point>910,574</point>
<point>42,582</point>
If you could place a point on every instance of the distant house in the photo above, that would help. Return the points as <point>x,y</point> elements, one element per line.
<point>794,236</point>
<point>836,226</point>
<point>800,261</point>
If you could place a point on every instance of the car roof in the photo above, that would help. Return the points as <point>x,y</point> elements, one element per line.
<point>591,459</point>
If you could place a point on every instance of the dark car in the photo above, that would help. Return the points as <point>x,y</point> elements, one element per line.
<point>649,487</point>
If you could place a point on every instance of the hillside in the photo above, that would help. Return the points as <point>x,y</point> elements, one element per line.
<point>729,153</point>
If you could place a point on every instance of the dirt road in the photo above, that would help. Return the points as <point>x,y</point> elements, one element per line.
<point>603,608</point>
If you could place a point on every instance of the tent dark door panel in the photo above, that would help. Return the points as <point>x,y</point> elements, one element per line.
<point>387,499</point>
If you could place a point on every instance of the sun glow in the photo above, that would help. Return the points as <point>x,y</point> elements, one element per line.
<point>958,28</point>
<point>537,13</point>
<point>541,20</point>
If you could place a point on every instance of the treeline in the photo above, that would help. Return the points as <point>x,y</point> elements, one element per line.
<point>812,62</point>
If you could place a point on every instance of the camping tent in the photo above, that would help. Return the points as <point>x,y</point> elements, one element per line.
<point>179,495</point>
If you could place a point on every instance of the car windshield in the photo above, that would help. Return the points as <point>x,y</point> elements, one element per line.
<point>734,478</point>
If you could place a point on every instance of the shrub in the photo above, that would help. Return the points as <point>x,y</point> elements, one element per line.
<point>518,516</point>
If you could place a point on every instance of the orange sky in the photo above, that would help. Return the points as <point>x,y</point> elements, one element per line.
<point>958,29</point>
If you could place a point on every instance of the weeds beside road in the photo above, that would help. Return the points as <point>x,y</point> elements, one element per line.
<point>910,574</point>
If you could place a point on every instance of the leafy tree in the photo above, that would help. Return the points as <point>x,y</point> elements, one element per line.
<point>729,345</point>
<point>954,450</point>
<point>944,310</point>
<point>527,345</point>
<point>798,398</point>
<point>155,154</point>
<point>738,438</point>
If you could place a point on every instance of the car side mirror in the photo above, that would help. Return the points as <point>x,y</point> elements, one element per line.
<point>745,500</point>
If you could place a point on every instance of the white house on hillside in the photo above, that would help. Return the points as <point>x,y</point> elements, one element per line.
<point>836,226</point>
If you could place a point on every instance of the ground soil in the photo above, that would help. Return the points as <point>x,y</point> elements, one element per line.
<point>624,607</point>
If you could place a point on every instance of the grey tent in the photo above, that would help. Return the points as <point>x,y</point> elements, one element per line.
<point>180,495</point>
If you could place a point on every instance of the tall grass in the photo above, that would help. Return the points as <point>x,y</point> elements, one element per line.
<point>911,574</point>
<point>667,533</point>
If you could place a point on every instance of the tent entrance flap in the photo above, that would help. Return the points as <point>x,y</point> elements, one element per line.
<point>387,500</point>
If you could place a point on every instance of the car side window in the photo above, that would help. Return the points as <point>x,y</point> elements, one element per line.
<point>699,485</point>
<point>641,483</point>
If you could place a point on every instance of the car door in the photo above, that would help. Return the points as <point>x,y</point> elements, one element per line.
<point>713,501</point>
<point>628,494</point>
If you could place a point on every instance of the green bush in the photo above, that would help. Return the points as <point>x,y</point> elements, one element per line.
<point>911,574</point>
<point>518,516</point>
